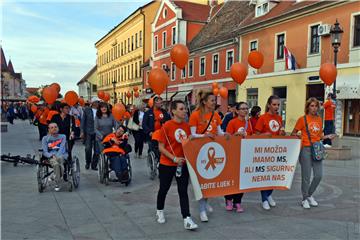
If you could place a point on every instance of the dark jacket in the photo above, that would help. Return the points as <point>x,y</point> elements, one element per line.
<point>87,121</point>
<point>228,117</point>
<point>148,123</point>
<point>66,125</point>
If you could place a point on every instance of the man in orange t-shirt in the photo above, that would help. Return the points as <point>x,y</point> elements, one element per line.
<point>329,107</point>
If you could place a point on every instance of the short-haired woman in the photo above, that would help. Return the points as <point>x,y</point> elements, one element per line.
<point>313,122</point>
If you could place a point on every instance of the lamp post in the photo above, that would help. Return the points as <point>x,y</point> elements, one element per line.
<point>114,86</point>
<point>167,70</point>
<point>336,34</point>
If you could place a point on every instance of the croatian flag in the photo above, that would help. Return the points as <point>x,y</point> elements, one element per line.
<point>289,60</point>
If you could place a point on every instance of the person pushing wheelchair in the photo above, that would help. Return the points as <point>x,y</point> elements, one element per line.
<point>116,148</point>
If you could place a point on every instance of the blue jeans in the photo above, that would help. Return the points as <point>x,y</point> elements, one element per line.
<point>118,164</point>
<point>265,194</point>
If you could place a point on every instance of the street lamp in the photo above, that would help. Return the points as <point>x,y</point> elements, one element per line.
<point>336,34</point>
<point>114,86</point>
<point>167,70</point>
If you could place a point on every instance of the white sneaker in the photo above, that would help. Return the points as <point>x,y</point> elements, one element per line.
<point>189,224</point>
<point>209,208</point>
<point>271,201</point>
<point>266,205</point>
<point>203,216</point>
<point>305,204</point>
<point>160,218</point>
<point>57,188</point>
<point>327,146</point>
<point>312,201</point>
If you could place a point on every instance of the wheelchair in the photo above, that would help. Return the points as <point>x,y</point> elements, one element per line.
<point>45,172</point>
<point>153,159</point>
<point>105,170</point>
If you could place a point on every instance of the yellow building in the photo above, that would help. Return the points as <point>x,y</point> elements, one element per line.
<point>122,51</point>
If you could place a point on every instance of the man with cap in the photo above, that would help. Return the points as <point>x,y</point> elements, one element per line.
<point>88,132</point>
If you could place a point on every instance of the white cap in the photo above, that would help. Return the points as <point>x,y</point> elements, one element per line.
<point>95,99</point>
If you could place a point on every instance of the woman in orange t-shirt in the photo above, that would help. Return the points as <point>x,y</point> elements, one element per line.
<point>314,123</point>
<point>205,122</point>
<point>270,124</point>
<point>172,163</point>
<point>239,126</point>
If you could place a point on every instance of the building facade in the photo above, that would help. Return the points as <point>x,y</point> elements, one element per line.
<point>122,52</point>
<point>88,84</point>
<point>13,86</point>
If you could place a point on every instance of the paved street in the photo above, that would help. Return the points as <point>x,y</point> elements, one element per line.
<point>95,211</point>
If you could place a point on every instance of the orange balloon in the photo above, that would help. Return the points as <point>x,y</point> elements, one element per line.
<point>328,73</point>
<point>56,86</point>
<point>118,111</point>
<point>158,80</point>
<point>49,94</point>
<point>33,108</point>
<point>71,98</point>
<point>215,85</point>
<point>136,94</point>
<point>101,94</point>
<point>128,95</point>
<point>106,97</point>
<point>256,59</point>
<point>81,102</point>
<point>216,91</point>
<point>127,116</point>
<point>238,72</point>
<point>151,102</point>
<point>223,92</point>
<point>136,88</point>
<point>179,54</point>
<point>33,99</point>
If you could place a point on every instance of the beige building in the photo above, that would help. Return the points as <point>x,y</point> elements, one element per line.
<point>122,52</point>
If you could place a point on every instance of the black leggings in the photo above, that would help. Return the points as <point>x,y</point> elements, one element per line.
<point>166,174</point>
<point>236,198</point>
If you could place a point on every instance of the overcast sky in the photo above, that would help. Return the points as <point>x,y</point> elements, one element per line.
<point>53,41</point>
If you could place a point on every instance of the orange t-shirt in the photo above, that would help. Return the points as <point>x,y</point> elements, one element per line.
<point>176,133</point>
<point>236,125</point>
<point>329,107</point>
<point>201,122</point>
<point>159,116</point>
<point>315,129</point>
<point>269,123</point>
<point>156,135</point>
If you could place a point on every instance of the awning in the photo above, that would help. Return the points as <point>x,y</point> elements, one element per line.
<point>169,95</point>
<point>181,95</point>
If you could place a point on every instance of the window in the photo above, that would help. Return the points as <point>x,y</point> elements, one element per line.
<point>129,45</point>
<point>155,44</point>
<point>122,50</point>
<point>94,88</point>
<point>173,71</point>
<point>262,9</point>
<point>314,39</point>
<point>125,47</point>
<point>116,52</point>
<point>119,50</point>
<point>252,97</point>
<point>357,31</point>
<point>253,45</point>
<point>173,36</point>
<point>132,71</point>
<point>164,14</point>
<point>136,70</point>
<point>164,39</point>
<point>140,41</point>
<point>136,40</point>
<point>132,43</point>
<point>191,68</point>
<point>202,66</point>
<point>140,71</point>
<point>280,46</point>
<point>183,73</point>
<point>229,59</point>
<point>215,63</point>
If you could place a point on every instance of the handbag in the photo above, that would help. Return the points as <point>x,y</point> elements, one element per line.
<point>317,148</point>
<point>132,125</point>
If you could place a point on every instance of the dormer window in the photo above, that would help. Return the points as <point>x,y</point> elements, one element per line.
<point>262,9</point>
<point>164,14</point>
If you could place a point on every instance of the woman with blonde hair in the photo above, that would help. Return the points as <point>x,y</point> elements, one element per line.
<point>205,122</point>
<point>310,126</point>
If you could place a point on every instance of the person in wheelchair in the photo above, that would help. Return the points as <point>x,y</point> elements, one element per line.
<point>54,149</point>
<point>116,148</point>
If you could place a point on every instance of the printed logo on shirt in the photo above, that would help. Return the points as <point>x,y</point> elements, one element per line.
<point>209,129</point>
<point>211,160</point>
<point>180,135</point>
<point>274,125</point>
<point>242,129</point>
<point>54,145</point>
<point>161,115</point>
<point>314,127</point>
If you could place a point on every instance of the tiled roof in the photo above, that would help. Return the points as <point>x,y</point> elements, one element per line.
<point>222,25</point>
<point>194,11</point>
<point>3,61</point>
<point>87,75</point>
<point>32,90</point>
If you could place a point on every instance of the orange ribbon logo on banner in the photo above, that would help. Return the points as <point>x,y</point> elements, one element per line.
<point>212,159</point>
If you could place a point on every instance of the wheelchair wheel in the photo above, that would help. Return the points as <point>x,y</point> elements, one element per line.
<point>106,171</point>
<point>129,172</point>
<point>152,165</point>
<point>75,172</point>
<point>41,177</point>
<point>101,168</point>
